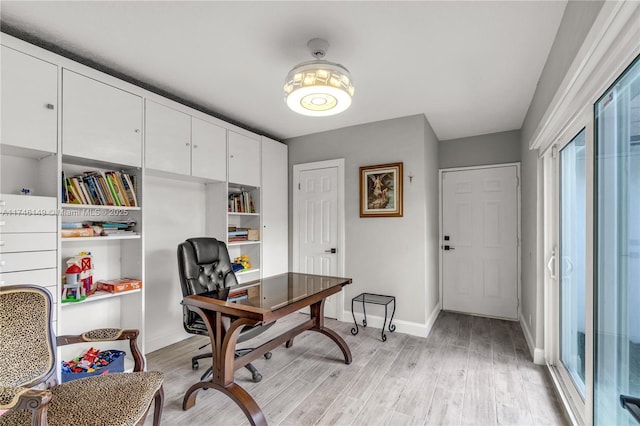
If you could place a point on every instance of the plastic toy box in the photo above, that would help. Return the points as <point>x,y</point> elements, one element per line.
<point>116,365</point>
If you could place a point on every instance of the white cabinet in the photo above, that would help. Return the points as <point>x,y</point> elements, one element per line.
<point>176,142</point>
<point>167,139</point>
<point>29,101</point>
<point>244,160</point>
<point>28,241</point>
<point>275,208</point>
<point>209,153</point>
<point>100,122</point>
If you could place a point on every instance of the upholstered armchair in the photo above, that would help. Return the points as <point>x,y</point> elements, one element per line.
<point>28,390</point>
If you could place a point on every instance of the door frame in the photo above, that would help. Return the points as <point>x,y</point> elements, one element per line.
<point>340,258</point>
<point>518,214</point>
<point>580,409</point>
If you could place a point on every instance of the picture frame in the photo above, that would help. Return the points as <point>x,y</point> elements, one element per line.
<point>381,190</point>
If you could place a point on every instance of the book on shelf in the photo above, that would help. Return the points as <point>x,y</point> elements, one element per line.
<point>76,233</point>
<point>110,188</point>
<point>241,202</point>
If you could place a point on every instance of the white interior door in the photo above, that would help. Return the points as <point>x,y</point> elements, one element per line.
<point>317,226</point>
<point>480,241</point>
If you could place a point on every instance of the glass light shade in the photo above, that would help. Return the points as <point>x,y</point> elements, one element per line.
<point>318,88</point>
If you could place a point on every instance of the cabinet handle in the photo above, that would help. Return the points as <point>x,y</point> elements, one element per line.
<point>136,130</point>
<point>231,156</point>
<point>49,106</point>
<point>195,146</point>
<point>187,144</point>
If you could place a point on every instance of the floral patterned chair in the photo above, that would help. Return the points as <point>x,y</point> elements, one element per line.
<point>29,394</point>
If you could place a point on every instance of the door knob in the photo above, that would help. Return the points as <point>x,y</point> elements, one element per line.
<point>333,250</point>
<point>447,247</point>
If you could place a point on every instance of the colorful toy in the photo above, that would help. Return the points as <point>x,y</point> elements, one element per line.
<point>72,290</point>
<point>85,262</point>
<point>93,361</point>
<point>244,261</point>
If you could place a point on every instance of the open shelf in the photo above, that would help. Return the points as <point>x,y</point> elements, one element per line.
<point>248,271</point>
<point>243,214</point>
<point>96,207</point>
<point>104,238</point>
<point>100,295</point>
<point>242,243</point>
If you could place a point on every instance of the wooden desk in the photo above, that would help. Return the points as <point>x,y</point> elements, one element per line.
<point>269,300</point>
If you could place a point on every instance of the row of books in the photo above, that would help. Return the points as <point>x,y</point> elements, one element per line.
<point>241,202</point>
<point>109,188</point>
<point>235,234</point>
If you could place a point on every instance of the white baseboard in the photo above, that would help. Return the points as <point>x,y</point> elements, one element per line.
<point>406,327</point>
<point>536,353</point>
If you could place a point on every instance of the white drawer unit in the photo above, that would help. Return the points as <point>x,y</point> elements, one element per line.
<point>33,241</point>
<point>24,261</point>
<point>42,277</point>
<point>28,204</point>
<point>25,224</point>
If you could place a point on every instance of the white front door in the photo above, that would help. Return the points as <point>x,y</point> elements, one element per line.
<point>480,241</point>
<point>316,230</point>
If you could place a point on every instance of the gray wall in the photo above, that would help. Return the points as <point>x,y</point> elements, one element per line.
<point>494,148</point>
<point>576,22</point>
<point>386,255</point>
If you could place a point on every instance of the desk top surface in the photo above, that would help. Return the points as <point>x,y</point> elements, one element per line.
<point>289,291</point>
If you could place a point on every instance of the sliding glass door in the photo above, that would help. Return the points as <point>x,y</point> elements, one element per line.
<point>617,249</point>
<point>572,262</point>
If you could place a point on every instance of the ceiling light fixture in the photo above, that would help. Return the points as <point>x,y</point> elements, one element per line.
<point>318,88</point>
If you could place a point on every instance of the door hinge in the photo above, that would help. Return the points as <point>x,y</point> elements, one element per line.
<point>554,151</point>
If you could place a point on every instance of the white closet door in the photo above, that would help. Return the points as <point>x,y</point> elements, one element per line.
<point>275,217</point>
<point>244,160</point>
<point>167,139</point>
<point>209,150</point>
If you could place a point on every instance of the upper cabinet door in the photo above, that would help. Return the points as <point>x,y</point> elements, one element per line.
<point>209,153</point>
<point>29,101</point>
<point>167,139</point>
<point>100,122</point>
<point>244,160</point>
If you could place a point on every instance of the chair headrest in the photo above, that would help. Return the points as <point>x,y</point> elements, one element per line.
<point>207,250</point>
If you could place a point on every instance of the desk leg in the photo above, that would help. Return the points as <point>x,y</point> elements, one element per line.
<point>317,315</point>
<point>223,343</point>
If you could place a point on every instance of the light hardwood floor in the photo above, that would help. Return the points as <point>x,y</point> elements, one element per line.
<point>469,371</point>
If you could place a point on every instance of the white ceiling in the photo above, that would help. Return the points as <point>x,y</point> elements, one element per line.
<point>470,67</point>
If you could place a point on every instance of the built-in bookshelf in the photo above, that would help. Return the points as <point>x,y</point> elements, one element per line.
<point>243,228</point>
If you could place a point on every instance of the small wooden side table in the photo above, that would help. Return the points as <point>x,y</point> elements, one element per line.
<point>376,299</point>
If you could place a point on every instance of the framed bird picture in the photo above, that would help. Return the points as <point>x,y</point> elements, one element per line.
<point>381,190</point>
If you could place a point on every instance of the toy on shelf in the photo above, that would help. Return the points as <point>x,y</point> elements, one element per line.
<point>84,260</point>
<point>73,290</point>
<point>241,263</point>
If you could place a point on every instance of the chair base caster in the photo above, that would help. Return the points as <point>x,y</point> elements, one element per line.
<point>267,355</point>
<point>256,377</point>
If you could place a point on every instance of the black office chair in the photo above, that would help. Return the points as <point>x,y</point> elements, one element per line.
<point>204,266</point>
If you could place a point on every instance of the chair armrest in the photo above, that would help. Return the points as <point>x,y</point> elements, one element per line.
<point>108,335</point>
<point>19,398</point>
